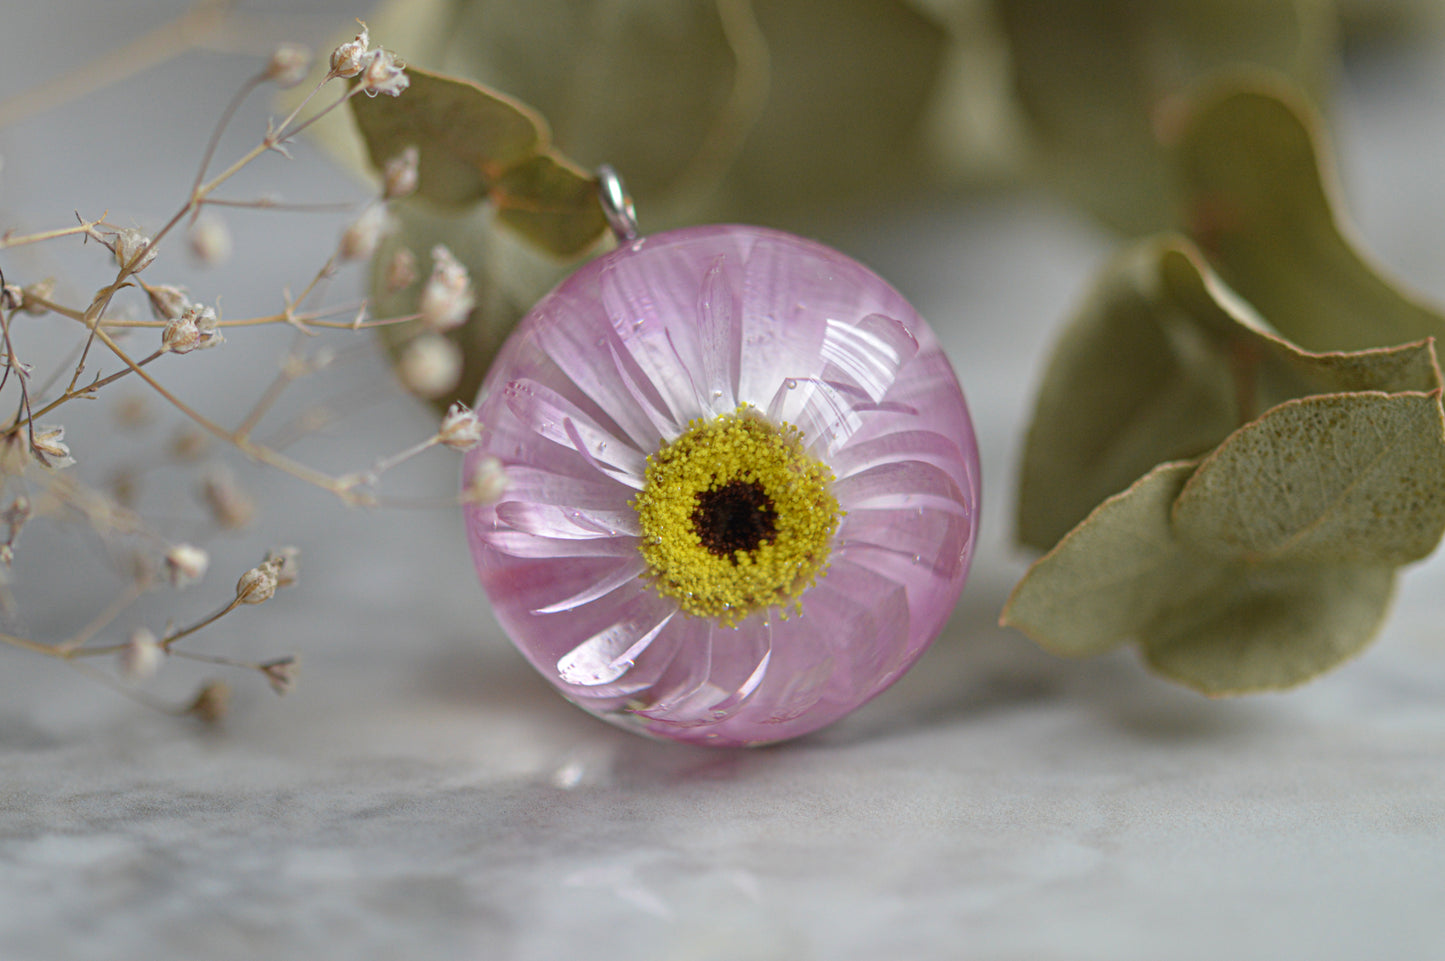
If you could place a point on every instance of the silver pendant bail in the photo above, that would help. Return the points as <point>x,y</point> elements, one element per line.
<point>617,204</point>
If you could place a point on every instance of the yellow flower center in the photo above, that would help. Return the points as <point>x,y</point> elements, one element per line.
<point>736,517</point>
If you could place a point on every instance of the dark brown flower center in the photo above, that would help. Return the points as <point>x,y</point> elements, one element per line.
<point>737,516</point>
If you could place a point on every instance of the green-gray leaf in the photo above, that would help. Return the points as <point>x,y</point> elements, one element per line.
<point>478,145</point>
<point>1272,627</point>
<point>468,136</point>
<point>1102,584</point>
<point>1162,363</point>
<point>1264,211</point>
<point>1219,626</point>
<point>1343,478</point>
<point>1100,81</point>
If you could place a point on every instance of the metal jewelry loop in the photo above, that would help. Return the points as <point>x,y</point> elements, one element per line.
<point>616,204</point>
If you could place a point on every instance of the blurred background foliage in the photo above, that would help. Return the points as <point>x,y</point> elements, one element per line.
<point>1191,128</point>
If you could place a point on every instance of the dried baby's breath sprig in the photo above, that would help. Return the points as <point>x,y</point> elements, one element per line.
<point>281,673</point>
<point>134,251</point>
<point>210,241</point>
<point>185,564</point>
<point>460,429</point>
<point>167,301</point>
<point>400,270</point>
<point>289,64</point>
<point>384,74</point>
<point>141,655</point>
<point>48,445</point>
<point>430,365</point>
<point>349,58</point>
<point>399,177</point>
<point>31,449</point>
<point>447,299</point>
<point>212,702</point>
<point>359,239</point>
<point>231,508</point>
<point>487,483</point>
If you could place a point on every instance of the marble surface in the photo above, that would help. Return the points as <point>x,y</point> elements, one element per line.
<point>423,795</point>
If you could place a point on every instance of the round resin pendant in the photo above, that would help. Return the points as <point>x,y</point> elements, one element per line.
<point>742,486</point>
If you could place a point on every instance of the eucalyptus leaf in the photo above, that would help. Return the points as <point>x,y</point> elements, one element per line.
<point>1100,82</point>
<point>1219,626</point>
<point>551,203</point>
<point>1262,204</point>
<point>1103,584</point>
<point>1343,478</point>
<point>467,136</point>
<point>1161,363</point>
<point>1270,627</point>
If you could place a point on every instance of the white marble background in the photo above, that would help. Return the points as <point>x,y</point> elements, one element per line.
<point>422,795</point>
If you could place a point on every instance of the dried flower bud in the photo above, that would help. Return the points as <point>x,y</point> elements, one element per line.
<point>185,565</point>
<point>229,505</point>
<point>168,301</point>
<point>400,174</point>
<point>257,585</point>
<point>16,515</point>
<point>286,562</point>
<point>487,483</point>
<point>349,59</point>
<point>194,329</point>
<point>212,702</point>
<point>446,300</point>
<point>133,250</point>
<point>210,241</point>
<point>384,74</point>
<point>34,296</point>
<point>189,444</point>
<point>400,270</point>
<point>12,297</point>
<point>430,366</point>
<point>141,656</point>
<point>460,430</point>
<point>49,446</point>
<point>281,673</point>
<point>359,240</point>
<point>288,65</point>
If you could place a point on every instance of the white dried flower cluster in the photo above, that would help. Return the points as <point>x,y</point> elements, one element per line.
<point>49,445</point>
<point>281,673</point>
<point>288,65</point>
<point>487,483</point>
<point>141,655</point>
<point>379,70</point>
<point>168,301</point>
<point>447,298</point>
<point>210,241</point>
<point>35,296</point>
<point>430,365</point>
<point>359,240</point>
<point>384,74</point>
<point>259,584</point>
<point>194,329</point>
<point>461,429</point>
<point>400,174</point>
<point>349,59</point>
<point>185,565</point>
<point>231,508</point>
<point>400,270</point>
<point>133,250</point>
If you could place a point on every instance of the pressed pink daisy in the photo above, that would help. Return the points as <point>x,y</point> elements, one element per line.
<point>741,486</point>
